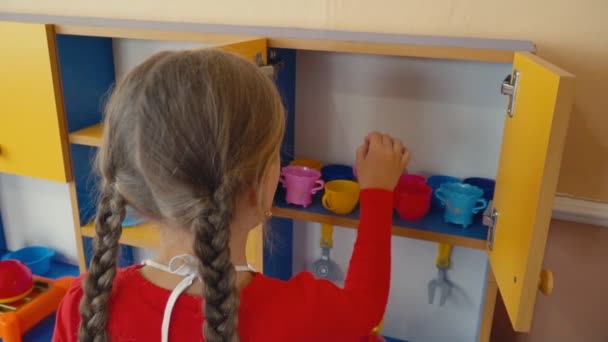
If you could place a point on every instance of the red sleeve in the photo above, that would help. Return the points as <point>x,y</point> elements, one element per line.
<point>68,315</point>
<point>357,308</point>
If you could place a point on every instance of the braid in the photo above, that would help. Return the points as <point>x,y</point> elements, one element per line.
<point>97,285</point>
<point>212,247</point>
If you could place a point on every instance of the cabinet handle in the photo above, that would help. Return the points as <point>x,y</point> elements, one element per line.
<point>545,282</point>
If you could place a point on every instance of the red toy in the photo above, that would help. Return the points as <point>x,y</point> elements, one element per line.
<point>16,281</point>
<point>21,315</point>
<point>412,200</point>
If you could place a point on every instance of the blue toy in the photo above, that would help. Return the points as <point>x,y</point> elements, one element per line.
<point>337,172</point>
<point>461,202</point>
<point>485,184</point>
<point>435,182</point>
<point>37,258</point>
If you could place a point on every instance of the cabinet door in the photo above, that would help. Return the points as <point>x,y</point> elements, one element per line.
<point>528,170</point>
<point>254,50</point>
<point>33,137</point>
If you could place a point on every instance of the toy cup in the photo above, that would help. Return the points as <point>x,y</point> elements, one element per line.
<point>435,182</point>
<point>309,163</point>
<point>337,172</point>
<point>341,196</point>
<point>413,200</point>
<point>461,202</point>
<point>301,183</point>
<point>408,178</point>
<point>485,184</point>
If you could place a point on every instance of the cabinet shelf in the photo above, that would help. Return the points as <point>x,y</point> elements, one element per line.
<point>90,136</point>
<point>144,235</point>
<point>431,228</point>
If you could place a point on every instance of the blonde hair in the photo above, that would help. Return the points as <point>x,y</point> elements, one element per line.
<point>185,133</point>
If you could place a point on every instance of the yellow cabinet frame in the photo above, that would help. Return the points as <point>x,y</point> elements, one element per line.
<point>33,133</point>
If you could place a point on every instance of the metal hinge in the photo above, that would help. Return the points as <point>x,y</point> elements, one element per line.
<point>509,88</point>
<point>490,219</point>
<point>270,69</point>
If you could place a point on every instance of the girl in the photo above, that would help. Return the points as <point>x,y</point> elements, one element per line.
<point>192,142</point>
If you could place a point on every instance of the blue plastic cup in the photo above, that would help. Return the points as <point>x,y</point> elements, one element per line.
<point>461,202</point>
<point>435,182</point>
<point>337,172</point>
<point>485,184</point>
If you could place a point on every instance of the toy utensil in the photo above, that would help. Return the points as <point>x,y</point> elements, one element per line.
<point>441,282</point>
<point>325,268</point>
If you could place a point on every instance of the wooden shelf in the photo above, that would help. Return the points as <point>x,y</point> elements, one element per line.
<point>431,228</point>
<point>90,136</point>
<point>144,235</point>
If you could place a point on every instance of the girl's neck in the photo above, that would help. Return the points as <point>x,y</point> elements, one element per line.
<point>177,242</point>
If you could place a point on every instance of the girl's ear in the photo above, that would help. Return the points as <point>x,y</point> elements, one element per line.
<point>252,196</point>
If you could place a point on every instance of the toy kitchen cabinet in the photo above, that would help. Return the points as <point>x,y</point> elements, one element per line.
<point>55,75</point>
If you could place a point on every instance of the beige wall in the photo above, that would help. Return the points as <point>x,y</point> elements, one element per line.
<point>578,308</point>
<point>572,34</point>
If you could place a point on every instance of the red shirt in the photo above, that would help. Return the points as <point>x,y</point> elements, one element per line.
<point>301,309</point>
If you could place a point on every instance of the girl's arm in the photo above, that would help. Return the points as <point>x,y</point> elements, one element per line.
<point>357,308</point>
<point>354,310</point>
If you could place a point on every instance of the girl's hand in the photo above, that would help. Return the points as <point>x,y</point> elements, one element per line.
<point>381,161</point>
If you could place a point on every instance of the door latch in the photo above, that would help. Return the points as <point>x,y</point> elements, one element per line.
<point>509,88</point>
<point>270,69</point>
<point>490,219</point>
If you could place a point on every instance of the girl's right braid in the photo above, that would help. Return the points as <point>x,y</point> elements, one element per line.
<point>97,285</point>
<point>212,247</point>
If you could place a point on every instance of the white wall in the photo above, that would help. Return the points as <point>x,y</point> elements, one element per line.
<point>451,116</point>
<point>37,212</point>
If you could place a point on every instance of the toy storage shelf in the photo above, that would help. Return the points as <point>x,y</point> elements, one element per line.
<point>144,235</point>
<point>430,228</point>
<point>90,136</point>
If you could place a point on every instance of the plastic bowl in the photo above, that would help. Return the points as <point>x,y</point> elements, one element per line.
<point>37,258</point>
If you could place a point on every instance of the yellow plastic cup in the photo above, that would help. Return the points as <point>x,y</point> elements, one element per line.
<point>313,164</point>
<point>341,196</point>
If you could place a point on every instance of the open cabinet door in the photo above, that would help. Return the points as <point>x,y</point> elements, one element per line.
<point>33,137</point>
<point>254,50</point>
<point>533,141</point>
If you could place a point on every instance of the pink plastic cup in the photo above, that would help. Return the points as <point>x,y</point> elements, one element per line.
<point>301,183</point>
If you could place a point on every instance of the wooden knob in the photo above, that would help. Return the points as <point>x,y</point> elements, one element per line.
<point>545,282</point>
